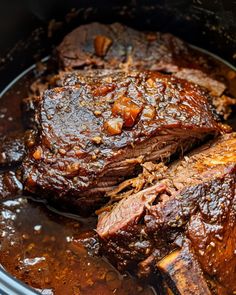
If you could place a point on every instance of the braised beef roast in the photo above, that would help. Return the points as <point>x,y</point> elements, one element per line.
<point>191,204</point>
<point>92,135</point>
<point>221,105</point>
<point>107,113</point>
<point>117,46</point>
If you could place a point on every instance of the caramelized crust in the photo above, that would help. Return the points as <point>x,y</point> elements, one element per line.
<point>78,156</point>
<point>193,201</point>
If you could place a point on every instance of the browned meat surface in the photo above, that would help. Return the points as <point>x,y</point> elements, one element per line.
<point>198,77</point>
<point>182,272</point>
<point>93,134</point>
<point>94,124</point>
<point>212,232</point>
<point>116,46</point>
<point>194,200</point>
<point>30,103</point>
<point>12,150</point>
<point>222,103</point>
<point>10,186</point>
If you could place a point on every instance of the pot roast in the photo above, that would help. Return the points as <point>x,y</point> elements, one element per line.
<point>190,204</point>
<point>105,127</point>
<point>93,134</point>
<point>117,46</point>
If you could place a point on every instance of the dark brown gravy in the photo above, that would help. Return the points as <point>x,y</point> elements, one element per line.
<point>38,246</point>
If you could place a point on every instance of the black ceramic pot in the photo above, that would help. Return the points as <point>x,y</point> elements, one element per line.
<point>30,29</point>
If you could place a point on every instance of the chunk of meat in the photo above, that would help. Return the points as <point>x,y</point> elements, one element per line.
<point>76,158</point>
<point>182,272</point>
<point>117,46</point>
<point>212,232</point>
<point>222,103</point>
<point>10,186</point>
<point>198,203</point>
<point>12,150</point>
<point>198,77</point>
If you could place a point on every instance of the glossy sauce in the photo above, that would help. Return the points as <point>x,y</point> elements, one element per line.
<point>40,246</point>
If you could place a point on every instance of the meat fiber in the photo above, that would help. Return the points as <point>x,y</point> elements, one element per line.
<point>193,202</point>
<point>97,132</point>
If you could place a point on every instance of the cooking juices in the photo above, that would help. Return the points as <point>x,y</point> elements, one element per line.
<point>43,247</point>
